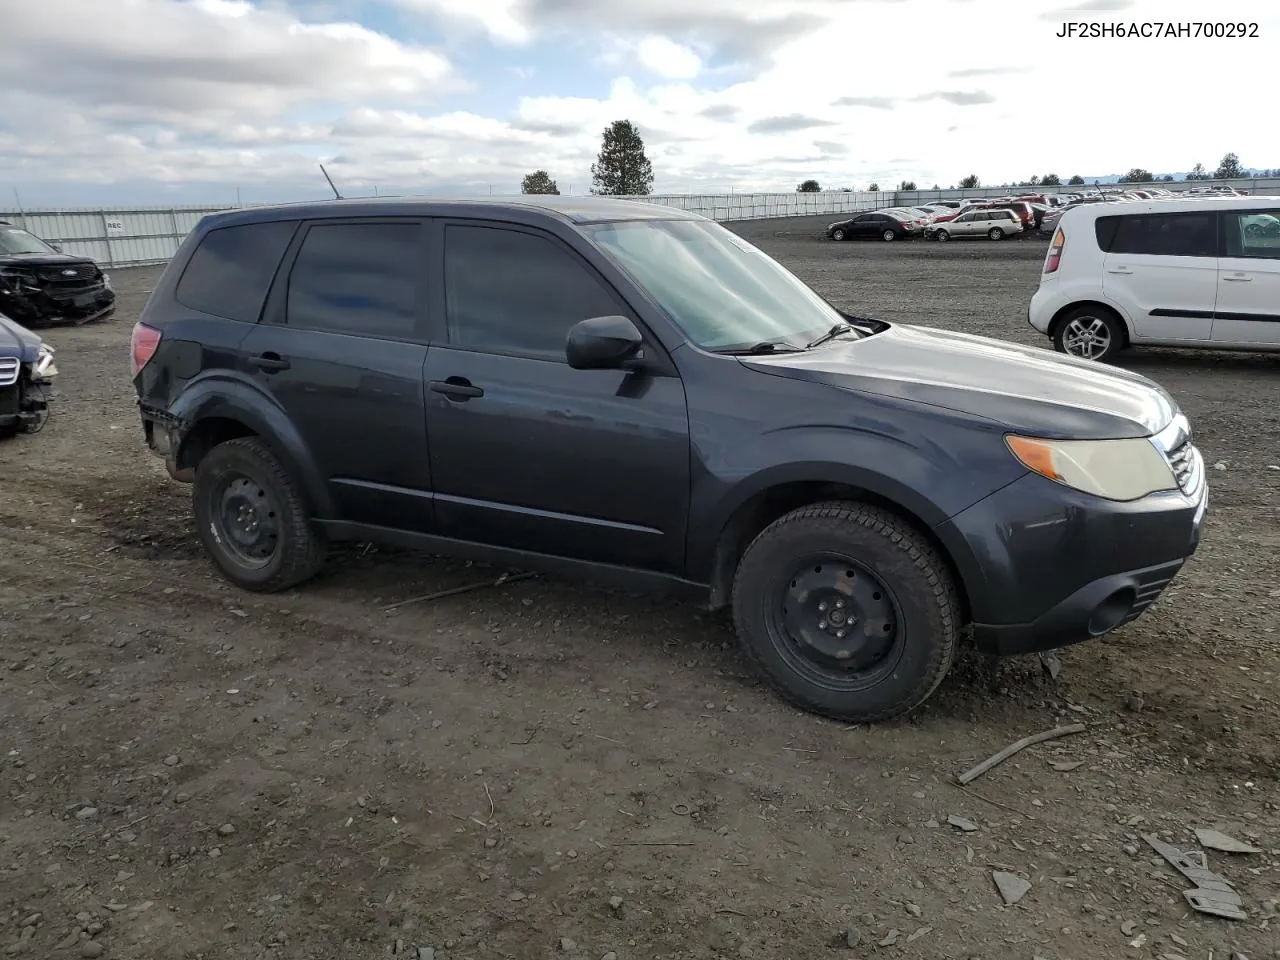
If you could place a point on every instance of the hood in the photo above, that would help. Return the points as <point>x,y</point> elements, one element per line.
<point>41,259</point>
<point>1027,389</point>
<point>17,341</point>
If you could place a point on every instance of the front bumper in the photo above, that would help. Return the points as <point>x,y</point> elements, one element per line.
<point>1052,567</point>
<point>42,308</point>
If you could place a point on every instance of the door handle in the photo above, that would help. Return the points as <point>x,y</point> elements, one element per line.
<point>270,362</point>
<point>1237,277</point>
<point>1120,270</point>
<point>456,388</point>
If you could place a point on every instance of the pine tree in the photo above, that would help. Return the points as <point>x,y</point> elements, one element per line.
<point>622,169</point>
<point>539,182</point>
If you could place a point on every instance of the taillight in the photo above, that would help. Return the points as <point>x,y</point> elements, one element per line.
<point>142,346</point>
<point>1055,252</point>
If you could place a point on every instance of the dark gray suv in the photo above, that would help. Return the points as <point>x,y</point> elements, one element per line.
<point>636,394</point>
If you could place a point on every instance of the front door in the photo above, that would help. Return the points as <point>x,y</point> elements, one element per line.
<point>1248,308</point>
<point>341,348</point>
<point>527,452</point>
<point>1162,269</point>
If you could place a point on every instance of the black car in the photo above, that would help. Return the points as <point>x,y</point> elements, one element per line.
<point>40,286</point>
<point>869,226</point>
<point>26,374</point>
<point>634,393</point>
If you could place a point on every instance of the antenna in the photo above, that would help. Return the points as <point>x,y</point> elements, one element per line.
<point>336,194</point>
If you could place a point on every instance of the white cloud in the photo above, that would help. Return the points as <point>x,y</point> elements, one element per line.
<point>239,92</point>
<point>668,59</point>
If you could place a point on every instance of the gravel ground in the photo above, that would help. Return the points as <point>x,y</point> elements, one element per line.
<point>541,769</point>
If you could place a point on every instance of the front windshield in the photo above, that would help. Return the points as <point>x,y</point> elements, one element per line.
<point>13,240</point>
<point>721,292</point>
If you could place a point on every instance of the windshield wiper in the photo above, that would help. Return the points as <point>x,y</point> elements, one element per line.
<point>835,331</point>
<point>759,349</point>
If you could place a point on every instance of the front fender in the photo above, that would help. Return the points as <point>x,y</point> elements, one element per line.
<point>230,396</point>
<point>929,481</point>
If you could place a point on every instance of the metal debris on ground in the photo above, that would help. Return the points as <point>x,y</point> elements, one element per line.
<point>1212,893</point>
<point>1016,747</point>
<point>1223,843</point>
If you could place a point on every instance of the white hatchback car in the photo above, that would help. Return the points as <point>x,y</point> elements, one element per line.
<point>1201,273</point>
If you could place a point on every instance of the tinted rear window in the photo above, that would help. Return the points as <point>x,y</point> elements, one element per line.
<point>231,270</point>
<point>357,278</point>
<point>1159,234</point>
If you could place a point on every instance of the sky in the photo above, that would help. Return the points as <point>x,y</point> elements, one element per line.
<point>213,101</point>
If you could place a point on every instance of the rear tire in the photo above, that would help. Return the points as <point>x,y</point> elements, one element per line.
<point>995,233</point>
<point>888,235</point>
<point>847,611</point>
<point>1090,333</point>
<point>253,519</point>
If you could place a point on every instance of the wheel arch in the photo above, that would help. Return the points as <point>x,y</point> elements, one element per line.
<point>767,504</point>
<point>215,411</point>
<point>1060,316</point>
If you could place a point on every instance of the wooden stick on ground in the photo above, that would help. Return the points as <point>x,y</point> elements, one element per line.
<point>970,775</point>
<point>465,588</point>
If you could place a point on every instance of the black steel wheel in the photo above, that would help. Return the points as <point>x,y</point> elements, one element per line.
<point>252,518</point>
<point>847,610</point>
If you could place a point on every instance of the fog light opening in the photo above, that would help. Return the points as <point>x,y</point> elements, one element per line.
<point>1111,611</point>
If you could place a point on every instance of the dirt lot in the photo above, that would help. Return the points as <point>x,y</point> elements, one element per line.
<point>189,771</point>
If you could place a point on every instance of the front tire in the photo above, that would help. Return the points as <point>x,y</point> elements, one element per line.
<point>847,611</point>
<point>253,519</point>
<point>837,234</point>
<point>942,236</point>
<point>1089,333</point>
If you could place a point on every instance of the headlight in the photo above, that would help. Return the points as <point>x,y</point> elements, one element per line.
<point>1112,469</point>
<point>44,367</point>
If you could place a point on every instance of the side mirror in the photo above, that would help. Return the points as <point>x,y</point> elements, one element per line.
<point>603,343</point>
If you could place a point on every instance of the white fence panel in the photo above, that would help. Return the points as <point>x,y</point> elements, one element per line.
<point>142,235</point>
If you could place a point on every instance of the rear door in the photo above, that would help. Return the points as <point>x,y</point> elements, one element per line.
<point>866,225</point>
<point>528,453</point>
<point>341,348</point>
<point>1162,269</point>
<point>1248,307</point>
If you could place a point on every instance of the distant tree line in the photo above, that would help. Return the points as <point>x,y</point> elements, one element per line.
<point>623,169</point>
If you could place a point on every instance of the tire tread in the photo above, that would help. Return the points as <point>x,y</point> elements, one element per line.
<point>922,555</point>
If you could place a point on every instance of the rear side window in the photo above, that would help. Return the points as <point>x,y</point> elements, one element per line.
<point>231,270</point>
<point>511,292</point>
<point>357,278</point>
<point>1253,234</point>
<point>1188,234</point>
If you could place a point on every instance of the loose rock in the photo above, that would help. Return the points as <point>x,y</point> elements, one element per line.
<point>226,830</point>
<point>852,937</point>
<point>567,945</point>
<point>91,949</point>
<point>172,760</point>
<point>1011,886</point>
<point>960,823</point>
<point>615,904</point>
<point>86,813</point>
